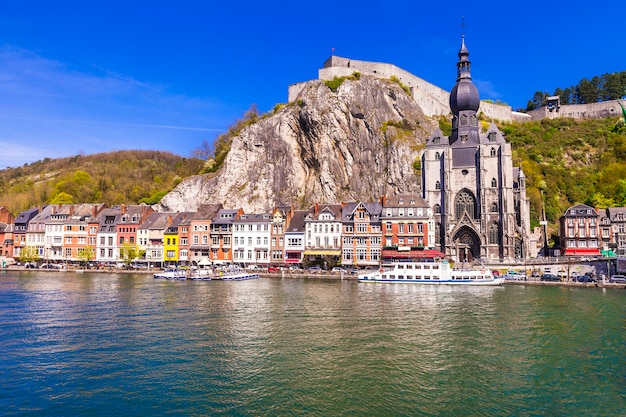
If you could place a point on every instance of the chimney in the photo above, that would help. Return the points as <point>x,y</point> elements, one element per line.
<point>123,209</point>
<point>383,200</point>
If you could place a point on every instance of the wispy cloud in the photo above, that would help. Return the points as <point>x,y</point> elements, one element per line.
<point>487,90</point>
<point>60,110</point>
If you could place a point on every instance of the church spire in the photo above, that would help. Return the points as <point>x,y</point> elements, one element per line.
<point>463,66</point>
<point>464,103</point>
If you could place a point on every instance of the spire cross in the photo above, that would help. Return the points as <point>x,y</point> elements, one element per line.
<point>463,24</point>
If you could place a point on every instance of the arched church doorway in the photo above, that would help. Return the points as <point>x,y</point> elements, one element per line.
<point>467,244</point>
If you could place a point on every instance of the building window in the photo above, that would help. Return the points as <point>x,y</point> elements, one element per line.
<point>493,234</point>
<point>437,209</point>
<point>437,156</point>
<point>494,182</point>
<point>438,185</point>
<point>494,208</point>
<point>465,204</point>
<point>493,151</point>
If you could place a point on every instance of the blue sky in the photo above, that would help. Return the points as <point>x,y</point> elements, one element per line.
<point>81,77</point>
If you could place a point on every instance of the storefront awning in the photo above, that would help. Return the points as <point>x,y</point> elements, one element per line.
<point>412,254</point>
<point>322,252</point>
<point>582,252</point>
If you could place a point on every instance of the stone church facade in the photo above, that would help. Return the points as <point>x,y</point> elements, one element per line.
<point>478,198</point>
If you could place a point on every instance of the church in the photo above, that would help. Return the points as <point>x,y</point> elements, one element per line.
<point>479,200</point>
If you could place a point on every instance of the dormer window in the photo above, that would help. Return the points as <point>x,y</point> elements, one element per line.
<point>492,136</point>
<point>436,140</point>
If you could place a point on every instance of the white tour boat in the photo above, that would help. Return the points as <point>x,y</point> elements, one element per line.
<point>171,274</point>
<point>430,273</point>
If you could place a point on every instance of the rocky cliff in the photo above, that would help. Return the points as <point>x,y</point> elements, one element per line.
<point>358,142</point>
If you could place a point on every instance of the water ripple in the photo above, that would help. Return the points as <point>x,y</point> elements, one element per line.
<point>95,345</point>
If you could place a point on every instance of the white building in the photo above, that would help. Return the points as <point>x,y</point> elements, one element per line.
<point>251,239</point>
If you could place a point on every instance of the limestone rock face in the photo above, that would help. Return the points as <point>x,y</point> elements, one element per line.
<point>354,144</point>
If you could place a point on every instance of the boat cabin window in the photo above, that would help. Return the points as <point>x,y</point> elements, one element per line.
<point>409,267</point>
<point>426,266</point>
<point>435,266</point>
<point>400,266</point>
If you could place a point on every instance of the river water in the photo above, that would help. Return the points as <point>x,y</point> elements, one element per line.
<point>130,345</point>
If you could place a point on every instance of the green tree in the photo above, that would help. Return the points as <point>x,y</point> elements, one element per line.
<point>599,201</point>
<point>130,252</point>
<point>86,254</point>
<point>29,254</point>
<point>586,92</point>
<point>538,100</point>
<point>62,198</point>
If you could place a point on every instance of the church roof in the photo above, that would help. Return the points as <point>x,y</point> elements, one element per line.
<point>464,95</point>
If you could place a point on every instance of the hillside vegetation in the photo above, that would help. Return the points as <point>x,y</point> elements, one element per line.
<point>570,161</point>
<point>122,177</point>
<point>566,161</point>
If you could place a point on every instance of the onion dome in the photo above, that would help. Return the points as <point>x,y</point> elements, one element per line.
<point>464,95</point>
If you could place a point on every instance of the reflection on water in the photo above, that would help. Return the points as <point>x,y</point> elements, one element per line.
<point>103,344</point>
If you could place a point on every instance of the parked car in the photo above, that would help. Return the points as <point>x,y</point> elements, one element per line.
<point>514,276</point>
<point>51,266</point>
<point>30,265</point>
<point>339,269</point>
<point>315,269</point>
<point>583,278</point>
<point>618,279</point>
<point>295,268</point>
<point>273,269</point>
<point>535,274</point>
<point>550,277</point>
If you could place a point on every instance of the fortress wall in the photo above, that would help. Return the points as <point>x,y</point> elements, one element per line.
<point>294,90</point>
<point>432,99</point>
<point>520,117</point>
<point>496,111</point>
<point>579,111</point>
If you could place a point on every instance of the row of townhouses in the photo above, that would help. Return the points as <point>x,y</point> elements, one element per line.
<point>357,234</point>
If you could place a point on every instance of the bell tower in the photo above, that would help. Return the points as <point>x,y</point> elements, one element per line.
<point>464,103</point>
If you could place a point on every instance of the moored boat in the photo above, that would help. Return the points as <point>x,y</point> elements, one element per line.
<point>235,274</point>
<point>171,274</point>
<point>430,273</point>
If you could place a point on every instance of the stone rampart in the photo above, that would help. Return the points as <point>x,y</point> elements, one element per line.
<point>579,111</point>
<point>432,100</point>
